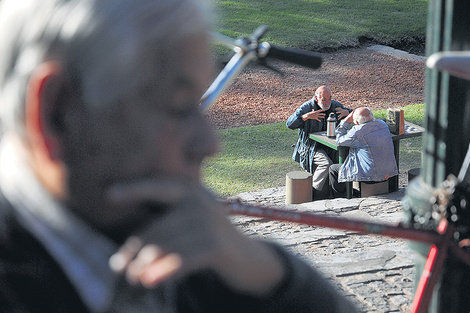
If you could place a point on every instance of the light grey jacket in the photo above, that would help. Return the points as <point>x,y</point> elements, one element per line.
<point>371,155</point>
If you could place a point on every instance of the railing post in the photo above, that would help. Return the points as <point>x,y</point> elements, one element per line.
<point>445,143</point>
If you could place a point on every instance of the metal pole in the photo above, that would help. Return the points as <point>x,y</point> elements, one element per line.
<point>445,143</point>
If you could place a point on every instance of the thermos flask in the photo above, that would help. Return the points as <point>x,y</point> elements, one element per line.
<point>331,125</point>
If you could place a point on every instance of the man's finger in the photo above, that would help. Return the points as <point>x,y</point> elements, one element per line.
<point>146,256</point>
<point>121,259</point>
<point>160,270</point>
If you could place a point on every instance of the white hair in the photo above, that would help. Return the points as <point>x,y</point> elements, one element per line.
<point>105,46</point>
<point>362,119</point>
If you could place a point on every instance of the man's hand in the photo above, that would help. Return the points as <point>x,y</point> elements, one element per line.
<point>192,233</point>
<point>349,118</point>
<point>314,115</point>
<point>341,112</point>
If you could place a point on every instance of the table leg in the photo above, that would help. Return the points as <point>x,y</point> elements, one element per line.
<point>343,153</point>
<point>349,190</point>
<point>393,181</point>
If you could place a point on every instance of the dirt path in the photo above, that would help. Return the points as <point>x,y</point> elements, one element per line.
<point>357,77</point>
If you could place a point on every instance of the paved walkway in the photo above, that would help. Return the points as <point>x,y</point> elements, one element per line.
<point>374,272</point>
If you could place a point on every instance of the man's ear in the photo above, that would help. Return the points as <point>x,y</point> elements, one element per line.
<point>46,85</point>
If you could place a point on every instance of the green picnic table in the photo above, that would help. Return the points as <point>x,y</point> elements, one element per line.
<point>411,130</point>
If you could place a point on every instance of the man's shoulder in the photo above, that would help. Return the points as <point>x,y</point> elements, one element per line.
<point>7,221</point>
<point>15,241</point>
<point>376,126</point>
<point>310,102</point>
<point>371,126</point>
<point>381,125</point>
<point>377,123</point>
<point>381,122</point>
<point>336,104</point>
<point>307,106</point>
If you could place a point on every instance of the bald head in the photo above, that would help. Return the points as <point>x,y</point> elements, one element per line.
<point>362,115</point>
<point>323,97</point>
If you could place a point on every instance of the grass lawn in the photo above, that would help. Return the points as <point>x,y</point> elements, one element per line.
<point>316,24</point>
<point>258,157</point>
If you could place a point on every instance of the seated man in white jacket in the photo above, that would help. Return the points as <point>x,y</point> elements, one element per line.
<point>371,157</point>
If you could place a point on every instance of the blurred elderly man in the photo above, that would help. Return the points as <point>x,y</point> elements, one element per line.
<point>371,156</point>
<point>314,157</point>
<point>101,204</point>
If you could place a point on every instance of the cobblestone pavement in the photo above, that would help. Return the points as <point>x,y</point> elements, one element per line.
<point>375,272</point>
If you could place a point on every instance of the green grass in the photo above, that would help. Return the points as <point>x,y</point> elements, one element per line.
<point>314,24</point>
<point>251,158</point>
<point>413,113</point>
<point>258,157</point>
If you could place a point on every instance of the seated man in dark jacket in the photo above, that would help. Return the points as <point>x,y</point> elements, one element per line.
<point>101,203</point>
<point>371,156</point>
<point>315,158</point>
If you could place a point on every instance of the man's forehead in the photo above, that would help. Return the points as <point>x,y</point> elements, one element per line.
<point>324,94</point>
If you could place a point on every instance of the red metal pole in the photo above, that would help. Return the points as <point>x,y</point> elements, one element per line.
<point>420,295</point>
<point>335,222</point>
<point>432,270</point>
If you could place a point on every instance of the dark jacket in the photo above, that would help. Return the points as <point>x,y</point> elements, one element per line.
<point>31,281</point>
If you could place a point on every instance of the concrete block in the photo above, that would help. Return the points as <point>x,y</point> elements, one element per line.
<point>413,173</point>
<point>372,189</point>
<point>298,187</point>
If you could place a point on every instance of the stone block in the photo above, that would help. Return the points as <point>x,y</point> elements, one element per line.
<point>298,187</point>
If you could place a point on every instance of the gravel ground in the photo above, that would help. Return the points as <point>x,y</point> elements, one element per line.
<point>357,77</point>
